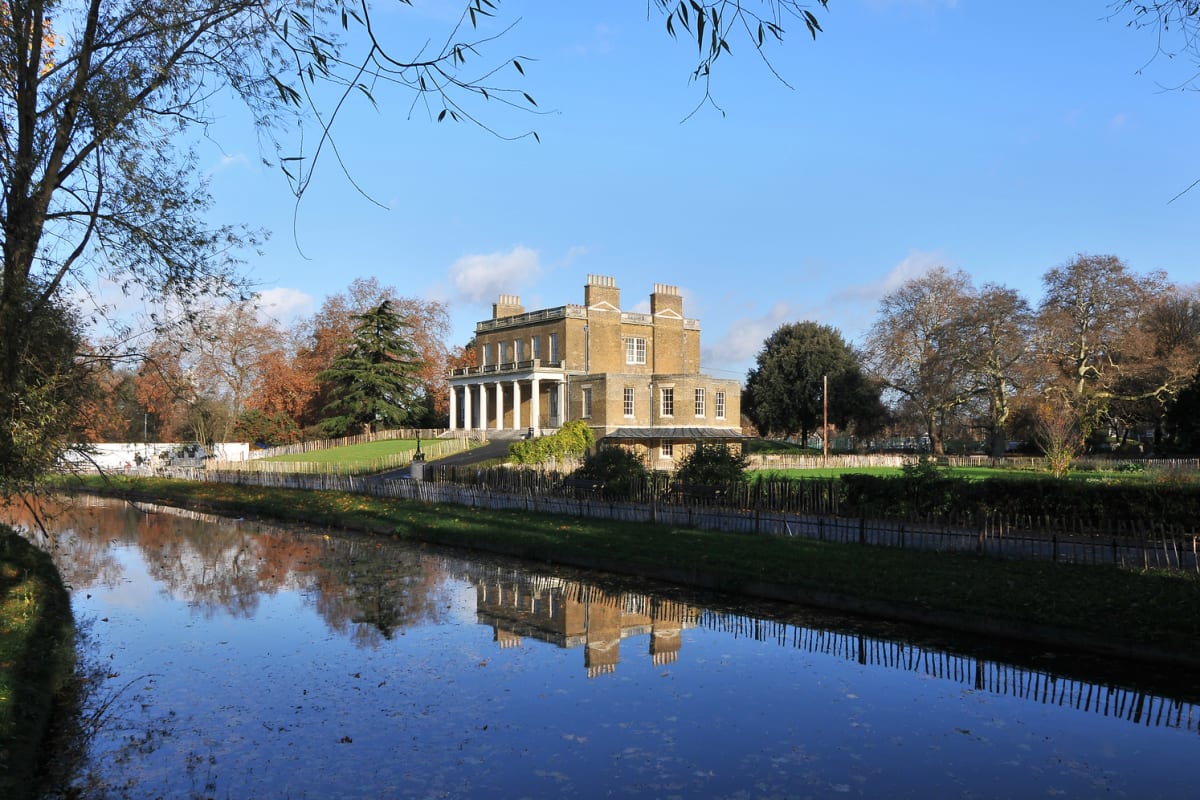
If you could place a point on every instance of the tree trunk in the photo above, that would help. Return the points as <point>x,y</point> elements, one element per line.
<point>999,444</point>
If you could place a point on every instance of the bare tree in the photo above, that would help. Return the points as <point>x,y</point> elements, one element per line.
<point>917,347</point>
<point>1170,334</point>
<point>230,357</point>
<point>1092,337</point>
<point>996,329</point>
<point>1059,436</point>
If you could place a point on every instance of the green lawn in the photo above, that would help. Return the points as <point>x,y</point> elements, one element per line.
<point>354,455</point>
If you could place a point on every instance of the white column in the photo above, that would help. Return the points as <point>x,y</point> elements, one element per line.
<point>453,407</point>
<point>483,420</point>
<point>516,405</point>
<point>562,402</point>
<point>535,413</point>
<point>467,407</point>
<point>499,406</point>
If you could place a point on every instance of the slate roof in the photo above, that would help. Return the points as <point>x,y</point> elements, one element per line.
<point>723,434</point>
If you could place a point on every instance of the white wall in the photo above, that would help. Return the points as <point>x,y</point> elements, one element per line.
<point>116,456</point>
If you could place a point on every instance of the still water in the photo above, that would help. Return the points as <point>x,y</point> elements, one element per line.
<point>241,660</point>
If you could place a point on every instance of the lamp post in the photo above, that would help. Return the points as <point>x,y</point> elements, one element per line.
<point>650,440</point>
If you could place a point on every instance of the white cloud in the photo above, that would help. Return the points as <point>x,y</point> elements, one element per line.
<point>101,298</point>
<point>744,338</point>
<point>882,5</point>
<point>284,304</point>
<point>852,310</point>
<point>573,252</point>
<point>480,278</point>
<point>231,161</point>
<point>599,41</point>
<point>914,265</point>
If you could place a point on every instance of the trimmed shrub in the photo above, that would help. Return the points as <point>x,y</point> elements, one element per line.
<point>573,440</point>
<point>621,471</point>
<point>711,465</point>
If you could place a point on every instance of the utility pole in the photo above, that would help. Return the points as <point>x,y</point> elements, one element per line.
<point>825,421</point>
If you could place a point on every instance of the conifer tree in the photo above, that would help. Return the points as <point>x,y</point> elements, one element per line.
<point>373,384</point>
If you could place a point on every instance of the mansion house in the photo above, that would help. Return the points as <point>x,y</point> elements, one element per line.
<point>634,378</point>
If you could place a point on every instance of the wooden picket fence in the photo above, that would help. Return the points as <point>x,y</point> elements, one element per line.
<point>313,445</point>
<point>761,461</point>
<point>432,448</point>
<point>996,536</point>
<point>765,461</point>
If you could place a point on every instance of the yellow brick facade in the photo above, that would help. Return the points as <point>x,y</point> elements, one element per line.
<point>631,376</point>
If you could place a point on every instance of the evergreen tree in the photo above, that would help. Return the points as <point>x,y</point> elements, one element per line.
<point>374,383</point>
<point>783,395</point>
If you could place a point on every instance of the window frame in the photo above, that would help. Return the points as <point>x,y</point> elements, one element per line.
<point>635,350</point>
<point>701,405</point>
<point>628,402</point>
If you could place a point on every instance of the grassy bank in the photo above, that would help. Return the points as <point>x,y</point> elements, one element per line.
<point>350,455</point>
<point>36,657</point>
<point>1155,616</point>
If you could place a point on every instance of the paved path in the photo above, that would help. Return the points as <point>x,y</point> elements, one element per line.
<point>497,448</point>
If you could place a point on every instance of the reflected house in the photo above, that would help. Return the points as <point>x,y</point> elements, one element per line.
<point>570,615</point>
<point>633,377</point>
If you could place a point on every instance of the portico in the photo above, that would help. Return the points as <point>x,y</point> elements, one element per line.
<point>515,396</point>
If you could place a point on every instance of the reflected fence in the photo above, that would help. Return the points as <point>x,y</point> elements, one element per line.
<point>977,674</point>
<point>973,673</point>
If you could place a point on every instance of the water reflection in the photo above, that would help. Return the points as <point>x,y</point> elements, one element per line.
<point>571,613</point>
<point>369,588</point>
<point>256,655</point>
<point>222,566</point>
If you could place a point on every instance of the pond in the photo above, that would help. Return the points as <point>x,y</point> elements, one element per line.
<point>242,660</point>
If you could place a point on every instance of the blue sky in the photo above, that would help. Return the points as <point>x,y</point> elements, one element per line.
<point>1000,138</point>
